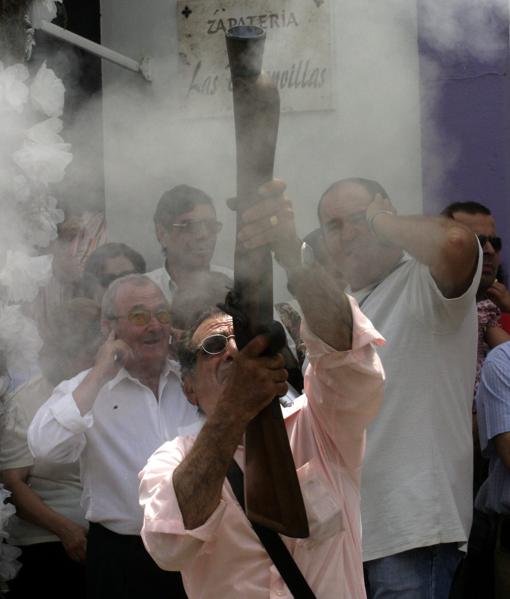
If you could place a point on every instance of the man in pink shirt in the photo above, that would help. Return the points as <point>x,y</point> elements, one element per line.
<point>192,520</point>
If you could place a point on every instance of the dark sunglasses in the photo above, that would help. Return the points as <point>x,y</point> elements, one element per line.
<point>215,344</point>
<point>496,242</point>
<point>193,227</point>
<point>141,317</point>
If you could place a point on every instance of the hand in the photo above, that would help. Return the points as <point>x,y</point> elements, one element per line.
<point>74,540</point>
<point>111,357</point>
<point>271,222</point>
<point>379,204</point>
<point>253,380</point>
<point>500,295</point>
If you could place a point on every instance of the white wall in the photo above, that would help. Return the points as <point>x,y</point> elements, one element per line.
<point>373,132</point>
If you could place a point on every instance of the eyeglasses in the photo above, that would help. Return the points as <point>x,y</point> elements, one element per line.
<point>212,227</point>
<point>215,344</point>
<point>496,242</point>
<point>141,317</point>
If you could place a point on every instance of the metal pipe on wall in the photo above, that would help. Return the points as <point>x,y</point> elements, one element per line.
<point>142,67</point>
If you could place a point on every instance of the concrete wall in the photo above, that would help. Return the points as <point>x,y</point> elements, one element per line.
<point>374,130</point>
<point>468,98</point>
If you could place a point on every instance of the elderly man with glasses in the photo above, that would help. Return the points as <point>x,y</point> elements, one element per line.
<point>112,417</point>
<point>193,521</point>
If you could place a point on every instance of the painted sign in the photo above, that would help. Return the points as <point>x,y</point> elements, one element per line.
<point>297,53</point>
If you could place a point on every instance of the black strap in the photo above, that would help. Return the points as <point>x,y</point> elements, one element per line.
<point>272,542</point>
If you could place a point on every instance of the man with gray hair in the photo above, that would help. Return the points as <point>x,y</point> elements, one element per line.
<point>112,417</point>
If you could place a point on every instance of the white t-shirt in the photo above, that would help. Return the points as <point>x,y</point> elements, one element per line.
<point>417,477</point>
<point>58,485</point>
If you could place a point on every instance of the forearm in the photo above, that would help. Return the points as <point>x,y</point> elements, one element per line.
<point>495,336</point>
<point>199,479</point>
<point>32,508</point>
<point>324,304</point>
<point>86,393</point>
<point>448,248</point>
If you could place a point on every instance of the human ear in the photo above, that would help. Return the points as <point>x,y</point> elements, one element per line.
<point>162,235</point>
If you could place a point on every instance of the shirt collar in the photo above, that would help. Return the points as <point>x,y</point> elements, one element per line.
<point>170,366</point>
<point>361,294</point>
<point>168,279</point>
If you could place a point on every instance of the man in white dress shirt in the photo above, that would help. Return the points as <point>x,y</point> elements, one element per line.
<point>112,418</point>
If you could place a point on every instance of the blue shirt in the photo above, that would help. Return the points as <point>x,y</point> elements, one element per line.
<point>493,405</point>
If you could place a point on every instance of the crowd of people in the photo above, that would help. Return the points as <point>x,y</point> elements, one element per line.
<point>121,448</point>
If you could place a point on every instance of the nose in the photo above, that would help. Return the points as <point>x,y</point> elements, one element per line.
<point>488,248</point>
<point>153,324</point>
<point>350,231</point>
<point>230,349</point>
<point>203,231</point>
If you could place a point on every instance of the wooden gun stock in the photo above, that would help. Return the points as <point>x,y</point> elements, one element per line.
<point>272,492</point>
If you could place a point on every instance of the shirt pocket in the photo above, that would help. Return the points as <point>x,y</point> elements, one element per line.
<point>323,508</point>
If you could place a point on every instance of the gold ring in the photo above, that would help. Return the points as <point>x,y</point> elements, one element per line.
<point>273,220</point>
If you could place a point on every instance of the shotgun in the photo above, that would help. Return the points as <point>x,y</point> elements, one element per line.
<point>272,493</point>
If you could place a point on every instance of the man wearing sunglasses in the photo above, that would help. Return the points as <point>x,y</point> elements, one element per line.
<point>492,296</point>
<point>476,574</point>
<point>111,418</point>
<point>187,230</point>
<point>192,519</point>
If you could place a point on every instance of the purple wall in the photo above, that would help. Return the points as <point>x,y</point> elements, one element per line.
<point>471,113</point>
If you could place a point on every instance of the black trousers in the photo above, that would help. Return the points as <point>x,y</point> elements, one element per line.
<point>47,572</point>
<point>119,567</point>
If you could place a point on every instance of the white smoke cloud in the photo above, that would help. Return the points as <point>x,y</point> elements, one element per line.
<point>464,27</point>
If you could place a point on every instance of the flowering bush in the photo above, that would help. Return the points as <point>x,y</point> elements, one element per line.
<point>33,156</point>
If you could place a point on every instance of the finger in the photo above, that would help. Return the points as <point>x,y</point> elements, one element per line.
<point>272,188</point>
<point>280,375</point>
<point>265,209</point>
<point>265,230</point>
<point>281,389</point>
<point>256,347</point>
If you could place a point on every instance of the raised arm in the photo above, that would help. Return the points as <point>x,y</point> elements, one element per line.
<point>251,384</point>
<point>446,246</point>
<point>112,355</point>
<point>56,432</point>
<point>324,304</point>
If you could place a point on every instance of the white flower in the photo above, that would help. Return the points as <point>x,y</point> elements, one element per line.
<point>13,92</point>
<point>47,92</point>
<point>46,132</point>
<point>40,218</point>
<point>22,275</point>
<point>9,565</point>
<point>6,509</point>
<point>44,156</point>
<point>43,10</point>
